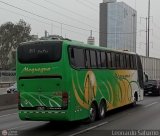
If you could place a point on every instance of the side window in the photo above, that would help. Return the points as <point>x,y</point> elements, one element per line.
<point>103,60</point>
<point>134,62</point>
<point>117,60</point>
<point>109,59</point>
<point>77,57</point>
<point>127,61</point>
<point>131,61</point>
<point>121,61</point>
<point>93,59</point>
<point>140,72</point>
<point>87,59</point>
<point>71,54</point>
<point>113,59</point>
<point>98,59</point>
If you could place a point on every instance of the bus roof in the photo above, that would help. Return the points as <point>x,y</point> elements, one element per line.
<point>81,44</point>
<point>78,44</point>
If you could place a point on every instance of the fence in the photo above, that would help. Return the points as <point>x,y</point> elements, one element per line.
<point>7,78</point>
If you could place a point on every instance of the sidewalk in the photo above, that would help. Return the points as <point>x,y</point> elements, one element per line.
<point>14,106</point>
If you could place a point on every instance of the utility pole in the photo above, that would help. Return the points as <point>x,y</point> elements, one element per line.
<point>146,38</point>
<point>148,28</point>
<point>133,27</point>
<point>146,19</point>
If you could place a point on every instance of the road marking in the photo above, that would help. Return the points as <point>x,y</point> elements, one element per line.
<point>150,104</point>
<point>88,129</point>
<point>7,115</point>
<point>26,124</point>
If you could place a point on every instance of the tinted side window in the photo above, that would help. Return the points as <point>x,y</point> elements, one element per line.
<point>134,62</point>
<point>87,59</point>
<point>103,60</point>
<point>140,71</point>
<point>93,59</point>
<point>109,59</point>
<point>121,61</point>
<point>131,61</point>
<point>77,57</point>
<point>117,60</point>
<point>127,61</point>
<point>98,59</point>
<point>113,59</point>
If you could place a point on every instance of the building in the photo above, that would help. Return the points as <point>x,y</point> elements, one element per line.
<point>91,40</point>
<point>52,37</point>
<point>118,23</point>
<point>34,37</point>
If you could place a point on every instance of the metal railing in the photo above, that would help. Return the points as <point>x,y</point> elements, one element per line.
<point>7,78</point>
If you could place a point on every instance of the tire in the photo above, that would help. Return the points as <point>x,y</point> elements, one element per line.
<point>93,113</point>
<point>102,110</point>
<point>135,100</point>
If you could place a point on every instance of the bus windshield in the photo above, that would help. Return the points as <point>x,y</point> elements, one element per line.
<point>40,52</point>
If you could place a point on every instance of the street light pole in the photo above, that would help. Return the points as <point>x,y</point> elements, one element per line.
<point>146,38</point>
<point>134,27</point>
<point>148,27</point>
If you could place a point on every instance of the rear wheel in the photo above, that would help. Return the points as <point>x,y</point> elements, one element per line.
<point>102,110</point>
<point>93,113</point>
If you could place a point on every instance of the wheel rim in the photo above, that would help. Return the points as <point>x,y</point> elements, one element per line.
<point>102,111</point>
<point>135,102</point>
<point>92,113</point>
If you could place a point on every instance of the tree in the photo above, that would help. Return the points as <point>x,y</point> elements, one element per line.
<point>10,37</point>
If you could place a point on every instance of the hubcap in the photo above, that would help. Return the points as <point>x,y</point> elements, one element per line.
<point>102,111</point>
<point>92,113</point>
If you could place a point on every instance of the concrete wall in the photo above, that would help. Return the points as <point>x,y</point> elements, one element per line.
<point>8,99</point>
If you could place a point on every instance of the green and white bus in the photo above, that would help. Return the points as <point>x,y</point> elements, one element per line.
<point>66,80</point>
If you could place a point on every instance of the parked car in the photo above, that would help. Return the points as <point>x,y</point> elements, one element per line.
<point>12,89</point>
<point>152,87</point>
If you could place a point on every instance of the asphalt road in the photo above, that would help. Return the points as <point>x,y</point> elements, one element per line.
<point>145,116</point>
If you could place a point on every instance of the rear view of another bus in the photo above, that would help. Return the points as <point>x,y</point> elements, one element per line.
<point>40,72</point>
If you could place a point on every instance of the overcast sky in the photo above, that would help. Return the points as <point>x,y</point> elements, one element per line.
<point>75,18</point>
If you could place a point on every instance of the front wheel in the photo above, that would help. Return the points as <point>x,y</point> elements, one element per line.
<point>135,100</point>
